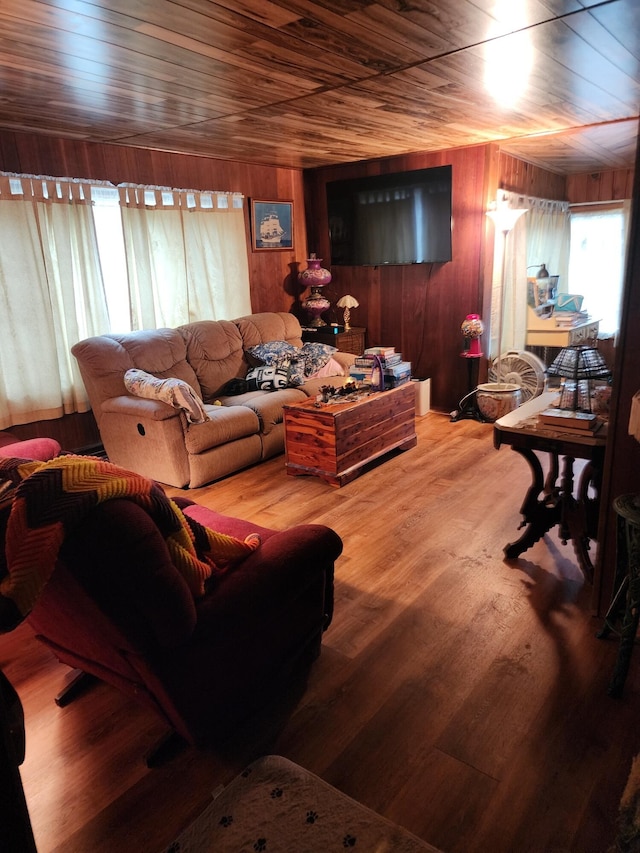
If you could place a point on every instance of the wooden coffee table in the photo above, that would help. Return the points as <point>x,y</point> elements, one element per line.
<point>335,441</point>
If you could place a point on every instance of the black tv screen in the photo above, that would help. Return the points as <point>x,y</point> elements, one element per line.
<point>399,218</point>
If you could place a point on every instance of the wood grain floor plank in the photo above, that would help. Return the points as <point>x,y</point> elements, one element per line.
<point>458,694</point>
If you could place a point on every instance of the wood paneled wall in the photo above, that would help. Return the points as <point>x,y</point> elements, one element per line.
<point>419,308</point>
<point>596,187</point>
<point>74,432</point>
<point>270,272</point>
<point>612,185</point>
<point>518,176</point>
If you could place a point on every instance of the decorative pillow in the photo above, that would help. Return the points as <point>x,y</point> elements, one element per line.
<point>296,368</point>
<point>175,392</point>
<point>315,356</point>
<point>331,368</point>
<point>267,377</point>
<point>273,353</point>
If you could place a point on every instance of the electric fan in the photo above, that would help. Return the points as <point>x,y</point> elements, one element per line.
<point>521,368</point>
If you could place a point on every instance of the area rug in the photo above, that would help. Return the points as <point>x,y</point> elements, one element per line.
<point>275,806</point>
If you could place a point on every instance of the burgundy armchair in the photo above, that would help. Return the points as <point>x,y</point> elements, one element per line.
<point>117,608</point>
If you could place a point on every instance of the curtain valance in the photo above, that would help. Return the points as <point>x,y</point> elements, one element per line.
<point>159,198</point>
<point>543,205</point>
<point>14,186</point>
<point>41,188</point>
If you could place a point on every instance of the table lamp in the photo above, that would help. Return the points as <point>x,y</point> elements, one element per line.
<point>347,302</point>
<point>578,366</point>
<point>316,277</point>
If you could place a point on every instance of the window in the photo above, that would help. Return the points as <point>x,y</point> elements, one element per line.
<point>108,223</point>
<point>81,258</point>
<point>596,263</point>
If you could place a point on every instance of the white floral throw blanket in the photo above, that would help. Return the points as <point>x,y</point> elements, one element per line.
<point>175,392</point>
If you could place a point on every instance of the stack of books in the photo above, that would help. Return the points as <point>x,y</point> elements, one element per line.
<point>565,419</point>
<point>568,319</point>
<point>396,371</point>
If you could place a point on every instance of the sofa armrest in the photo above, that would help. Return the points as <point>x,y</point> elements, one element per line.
<point>32,448</point>
<point>139,407</point>
<point>287,561</point>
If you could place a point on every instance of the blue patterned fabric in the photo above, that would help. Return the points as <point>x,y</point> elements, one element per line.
<point>315,356</point>
<point>272,353</point>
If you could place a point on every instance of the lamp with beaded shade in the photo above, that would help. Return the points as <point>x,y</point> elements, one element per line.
<point>578,366</point>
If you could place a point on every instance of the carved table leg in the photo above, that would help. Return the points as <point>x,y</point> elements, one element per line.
<point>581,518</point>
<point>566,496</point>
<point>540,513</point>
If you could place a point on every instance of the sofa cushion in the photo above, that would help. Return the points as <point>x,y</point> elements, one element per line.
<point>269,326</point>
<point>175,392</point>
<point>215,352</point>
<point>225,424</point>
<point>266,405</point>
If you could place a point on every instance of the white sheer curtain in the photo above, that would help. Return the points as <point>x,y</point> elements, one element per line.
<point>508,295</point>
<point>549,239</point>
<point>51,296</point>
<point>540,236</point>
<point>166,258</point>
<point>186,256</point>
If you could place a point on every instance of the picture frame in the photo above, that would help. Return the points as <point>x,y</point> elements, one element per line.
<point>271,226</point>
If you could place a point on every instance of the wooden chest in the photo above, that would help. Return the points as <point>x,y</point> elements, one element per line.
<point>335,441</point>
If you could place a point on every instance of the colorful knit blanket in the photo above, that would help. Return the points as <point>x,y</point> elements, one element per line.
<point>49,499</point>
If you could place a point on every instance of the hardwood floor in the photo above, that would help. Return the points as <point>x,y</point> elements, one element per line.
<point>459,695</point>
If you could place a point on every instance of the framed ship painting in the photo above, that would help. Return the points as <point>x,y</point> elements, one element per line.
<point>271,225</point>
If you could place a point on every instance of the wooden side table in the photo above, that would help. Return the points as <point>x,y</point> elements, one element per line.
<point>550,501</point>
<point>627,580</point>
<point>346,341</point>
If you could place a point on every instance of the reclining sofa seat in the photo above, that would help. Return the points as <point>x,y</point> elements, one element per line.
<point>156,440</point>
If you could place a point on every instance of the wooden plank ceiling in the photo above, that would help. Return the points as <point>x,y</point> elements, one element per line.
<point>306,83</point>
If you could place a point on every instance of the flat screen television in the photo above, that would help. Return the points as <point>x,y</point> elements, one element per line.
<point>398,218</point>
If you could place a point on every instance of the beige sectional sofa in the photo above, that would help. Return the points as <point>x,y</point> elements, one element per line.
<point>155,438</point>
